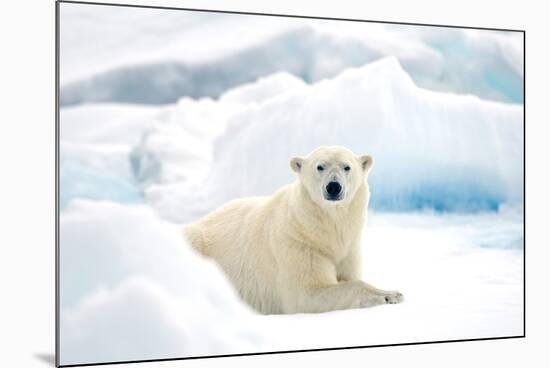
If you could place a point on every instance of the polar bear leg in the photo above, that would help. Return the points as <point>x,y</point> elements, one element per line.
<point>344,295</point>
<point>311,286</point>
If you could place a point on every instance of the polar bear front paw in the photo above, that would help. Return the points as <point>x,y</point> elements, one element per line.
<point>393,297</point>
<point>370,298</point>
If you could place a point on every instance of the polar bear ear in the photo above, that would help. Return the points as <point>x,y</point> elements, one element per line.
<point>366,162</point>
<point>296,164</point>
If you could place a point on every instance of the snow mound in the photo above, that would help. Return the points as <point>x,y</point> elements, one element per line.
<point>131,288</point>
<point>432,150</point>
<point>298,50</point>
<point>178,151</point>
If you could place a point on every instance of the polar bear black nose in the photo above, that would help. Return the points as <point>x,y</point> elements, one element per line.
<point>334,188</point>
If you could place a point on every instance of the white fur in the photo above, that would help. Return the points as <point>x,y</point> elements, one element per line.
<point>296,251</point>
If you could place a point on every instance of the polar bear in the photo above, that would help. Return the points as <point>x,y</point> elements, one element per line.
<point>298,251</point>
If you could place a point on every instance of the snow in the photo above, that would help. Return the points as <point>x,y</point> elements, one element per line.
<point>131,288</point>
<point>164,118</point>
<point>157,56</point>
<point>95,142</point>
<point>77,181</point>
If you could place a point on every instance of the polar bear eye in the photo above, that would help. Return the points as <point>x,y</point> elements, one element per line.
<point>347,168</point>
<point>320,168</point>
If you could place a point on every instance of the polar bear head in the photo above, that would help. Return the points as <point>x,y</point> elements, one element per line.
<point>332,174</point>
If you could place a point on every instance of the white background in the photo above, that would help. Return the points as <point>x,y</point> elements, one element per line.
<point>27,182</point>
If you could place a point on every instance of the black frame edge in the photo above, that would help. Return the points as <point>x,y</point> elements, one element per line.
<point>57,138</point>
<point>292,351</point>
<point>287,15</point>
<point>524,186</point>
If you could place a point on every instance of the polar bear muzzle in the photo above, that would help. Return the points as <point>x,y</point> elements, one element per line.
<point>333,191</point>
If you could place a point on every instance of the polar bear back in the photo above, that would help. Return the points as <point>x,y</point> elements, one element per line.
<point>240,236</point>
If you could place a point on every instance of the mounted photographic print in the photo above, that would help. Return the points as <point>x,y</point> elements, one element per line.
<point>236,183</point>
